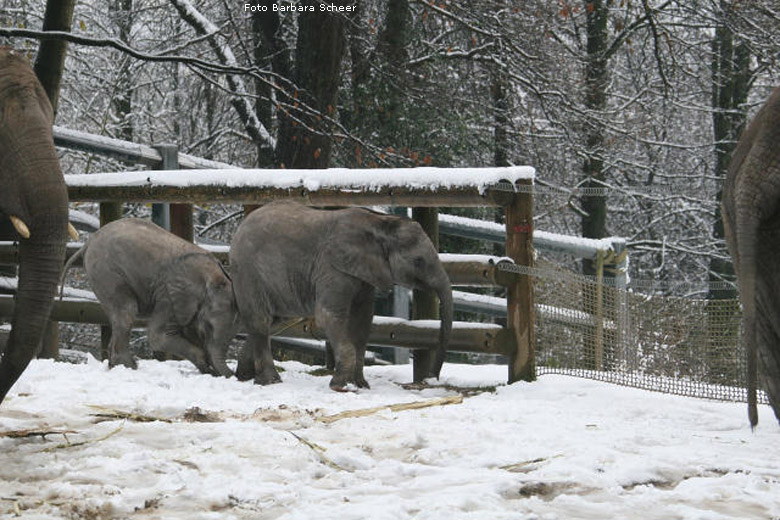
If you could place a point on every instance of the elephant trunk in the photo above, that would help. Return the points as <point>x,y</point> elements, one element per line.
<point>40,261</point>
<point>443,290</point>
<point>217,360</point>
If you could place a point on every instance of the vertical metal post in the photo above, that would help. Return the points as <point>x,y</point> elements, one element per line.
<point>520,297</point>
<point>425,304</point>
<point>401,308</point>
<point>619,269</point>
<point>170,161</point>
<point>598,354</point>
<point>176,218</point>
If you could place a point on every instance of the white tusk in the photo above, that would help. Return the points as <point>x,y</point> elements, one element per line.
<point>72,232</point>
<point>20,227</point>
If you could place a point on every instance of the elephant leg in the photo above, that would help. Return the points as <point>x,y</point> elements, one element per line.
<point>121,320</point>
<point>360,321</point>
<point>330,358</point>
<point>245,370</point>
<point>166,337</point>
<point>768,329</point>
<point>347,327</point>
<point>262,358</point>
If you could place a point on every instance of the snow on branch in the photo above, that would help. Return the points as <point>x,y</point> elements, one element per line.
<point>165,56</point>
<point>203,26</point>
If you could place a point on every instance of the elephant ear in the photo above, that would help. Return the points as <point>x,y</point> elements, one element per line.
<point>183,291</point>
<point>357,249</point>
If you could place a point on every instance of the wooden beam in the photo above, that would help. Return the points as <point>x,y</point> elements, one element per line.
<point>252,195</point>
<point>394,332</point>
<point>463,271</point>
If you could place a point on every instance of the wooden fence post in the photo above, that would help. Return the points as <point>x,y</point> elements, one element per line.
<point>425,304</point>
<point>520,298</point>
<point>180,214</point>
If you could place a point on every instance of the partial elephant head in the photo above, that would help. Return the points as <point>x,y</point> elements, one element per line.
<point>201,294</point>
<point>751,216</point>
<point>33,196</point>
<point>386,249</point>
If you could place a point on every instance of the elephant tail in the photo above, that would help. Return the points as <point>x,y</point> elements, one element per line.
<point>747,244</point>
<point>72,260</point>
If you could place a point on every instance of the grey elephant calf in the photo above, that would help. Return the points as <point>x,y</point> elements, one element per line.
<point>138,269</point>
<point>288,260</point>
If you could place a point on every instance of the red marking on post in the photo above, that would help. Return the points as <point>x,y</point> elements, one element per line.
<point>523,228</point>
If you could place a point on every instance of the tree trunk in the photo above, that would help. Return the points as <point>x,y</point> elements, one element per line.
<point>500,135</point>
<point>269,51</point>
<point>122,100</point>
<point>392,49</point>
<point>594,222</point>
<point>730,86</point>
<point>50,61</point>
<point>594,219</point>
<point>304,140</point>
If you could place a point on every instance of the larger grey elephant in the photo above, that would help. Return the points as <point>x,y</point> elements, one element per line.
<point>288,260</point>
<point>34,198</point>
<point>138,269</point>
<point>751,215</point>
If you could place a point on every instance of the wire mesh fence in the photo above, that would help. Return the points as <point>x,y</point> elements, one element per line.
<point>638,337</point>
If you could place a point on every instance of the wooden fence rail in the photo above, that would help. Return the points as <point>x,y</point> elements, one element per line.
<point>391,332</point>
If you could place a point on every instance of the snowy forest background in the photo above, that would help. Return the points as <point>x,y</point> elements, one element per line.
<point>643,98</point>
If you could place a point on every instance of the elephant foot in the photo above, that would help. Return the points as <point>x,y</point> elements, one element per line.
<point>207,369</point>
<point>126,361</point>
<point>245,372</point>
<point>341,384</point>
<point>362,383</point>
<point>268,377</point>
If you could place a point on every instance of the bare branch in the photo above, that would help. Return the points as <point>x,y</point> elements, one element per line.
<point>245,111</point>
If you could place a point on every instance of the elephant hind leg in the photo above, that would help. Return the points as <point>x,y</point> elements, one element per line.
<point>768,329</point>
<point>768,338</point>
<point>361,317</point>
<point>256,360</point>
<point>121,320</point>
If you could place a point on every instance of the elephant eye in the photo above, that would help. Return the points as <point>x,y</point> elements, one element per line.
<point>419,262</point>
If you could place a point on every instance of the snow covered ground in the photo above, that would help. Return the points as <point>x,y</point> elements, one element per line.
<point>559,448</point>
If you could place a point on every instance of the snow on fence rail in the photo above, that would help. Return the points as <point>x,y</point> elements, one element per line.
<point>414,187</point>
